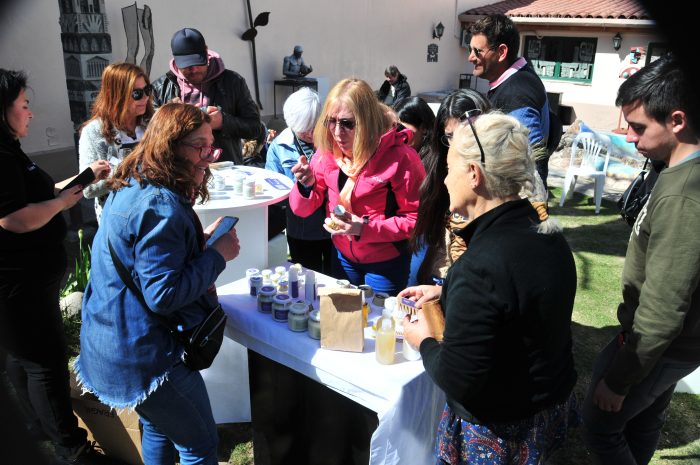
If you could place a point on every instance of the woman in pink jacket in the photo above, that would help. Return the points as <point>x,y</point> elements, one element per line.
<point>363,164</point>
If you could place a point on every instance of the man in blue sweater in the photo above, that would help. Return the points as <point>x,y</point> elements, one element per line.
<point>514,87</point>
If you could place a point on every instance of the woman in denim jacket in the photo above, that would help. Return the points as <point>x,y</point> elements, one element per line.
<point>128,358</point>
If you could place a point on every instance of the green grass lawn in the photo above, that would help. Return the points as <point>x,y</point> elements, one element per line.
<point>599,243</point>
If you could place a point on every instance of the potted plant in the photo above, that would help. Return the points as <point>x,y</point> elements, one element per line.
<point>72,293</point>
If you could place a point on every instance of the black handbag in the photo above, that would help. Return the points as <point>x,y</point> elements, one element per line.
<point>202,342</point>
<point>636,195</point>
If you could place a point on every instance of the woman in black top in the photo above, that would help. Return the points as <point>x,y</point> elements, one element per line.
<point>505,363</point>
<point>32,264</point>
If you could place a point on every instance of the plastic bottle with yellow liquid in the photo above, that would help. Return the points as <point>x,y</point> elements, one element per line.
<point>385,346</point>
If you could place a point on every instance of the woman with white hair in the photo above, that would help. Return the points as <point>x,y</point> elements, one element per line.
<point>309,243</point>
<point>505,363</point>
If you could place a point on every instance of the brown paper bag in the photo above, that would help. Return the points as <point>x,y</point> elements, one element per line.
<point>432,311</point>
<point>341,319</point>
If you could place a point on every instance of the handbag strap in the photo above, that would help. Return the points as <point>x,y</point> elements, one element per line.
<point>129,282</point>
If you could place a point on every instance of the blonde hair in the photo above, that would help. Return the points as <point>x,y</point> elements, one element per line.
<point>508,166</point>
<point>371,121</point>
<point>112,103</point>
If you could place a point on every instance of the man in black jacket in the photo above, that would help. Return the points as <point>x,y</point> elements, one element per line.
<point>197,76</point>
<point>395,87</point>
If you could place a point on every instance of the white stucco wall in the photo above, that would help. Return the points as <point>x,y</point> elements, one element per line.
<point>359,38</point>
<point>30,40</point>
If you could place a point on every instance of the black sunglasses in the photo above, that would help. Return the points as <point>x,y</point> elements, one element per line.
<point>477,51</point>
<point>344,123</point>
<point>137,94</point>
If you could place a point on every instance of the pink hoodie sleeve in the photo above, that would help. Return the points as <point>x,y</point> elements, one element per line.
<point>305,206</point>
<point>405,183</point>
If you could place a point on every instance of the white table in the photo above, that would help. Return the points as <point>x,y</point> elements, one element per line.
<point>407,402</point>
<point>252,227</point>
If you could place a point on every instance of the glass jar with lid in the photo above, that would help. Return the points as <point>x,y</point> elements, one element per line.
<point>265,297</point>
<point>280,307</point>
<point>315,324</point>
<point>298,318</point>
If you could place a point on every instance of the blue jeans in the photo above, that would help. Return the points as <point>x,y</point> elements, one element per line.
<point>389,276</point>
<point>178,414</point>
<point>630,436</point>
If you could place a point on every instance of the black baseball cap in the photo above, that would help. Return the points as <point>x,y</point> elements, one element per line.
<point>189,48</point>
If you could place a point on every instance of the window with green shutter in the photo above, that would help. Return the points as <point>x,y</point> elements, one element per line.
<point>562,58</point>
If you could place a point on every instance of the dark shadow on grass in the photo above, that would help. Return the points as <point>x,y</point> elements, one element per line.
<point>579,204</point>
<point>608,238</point>
<point>681,427</point>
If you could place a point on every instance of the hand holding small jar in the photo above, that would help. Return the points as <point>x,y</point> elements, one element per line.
<point>342,222</point>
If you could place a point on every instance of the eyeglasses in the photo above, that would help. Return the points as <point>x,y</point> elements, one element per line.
<point>137,94</point>
<point>345,124</point>
<point>477,51</point>
<point>206,152</point>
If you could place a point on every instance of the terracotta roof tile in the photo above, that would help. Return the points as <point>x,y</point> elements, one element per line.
<point>605,9</point>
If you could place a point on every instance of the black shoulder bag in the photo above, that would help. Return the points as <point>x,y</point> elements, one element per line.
<point>202,342</point>
<point>636,195</point>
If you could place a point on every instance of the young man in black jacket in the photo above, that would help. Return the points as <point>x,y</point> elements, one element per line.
<point>197,76</point>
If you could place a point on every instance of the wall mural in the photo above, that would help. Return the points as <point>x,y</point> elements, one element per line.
<point>87,50</point>
<point>139,20</point>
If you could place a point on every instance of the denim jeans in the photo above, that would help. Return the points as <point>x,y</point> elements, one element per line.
<point>630,436</point>
<point>389,276</point>
<point>178,414</point>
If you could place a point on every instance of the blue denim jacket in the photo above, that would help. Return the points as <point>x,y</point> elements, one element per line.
<point>125,352</point>
<point>282,155</point>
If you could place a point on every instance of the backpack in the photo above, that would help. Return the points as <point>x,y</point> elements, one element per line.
<point>636,195</point>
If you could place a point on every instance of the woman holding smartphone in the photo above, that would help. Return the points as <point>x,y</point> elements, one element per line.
<point>129,358</point>
<point>32,264</point>
<point>119,118</point>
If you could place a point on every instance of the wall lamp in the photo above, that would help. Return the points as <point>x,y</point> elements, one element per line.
<point>438,31</point>
<point>617,41</point>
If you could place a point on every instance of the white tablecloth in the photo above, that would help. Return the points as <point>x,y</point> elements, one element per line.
<point>252,227</point>
<point>407,402</point>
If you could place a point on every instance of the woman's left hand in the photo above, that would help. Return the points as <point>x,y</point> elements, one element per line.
<point>350,225</point>
<point>101,169</point>
<point>415,332</point>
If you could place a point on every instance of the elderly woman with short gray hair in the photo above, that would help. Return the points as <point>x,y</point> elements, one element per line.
<point>309,243</point>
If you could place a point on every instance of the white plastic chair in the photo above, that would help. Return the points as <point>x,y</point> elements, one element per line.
<point>587,164</point>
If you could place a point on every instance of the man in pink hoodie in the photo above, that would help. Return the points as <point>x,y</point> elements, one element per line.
<point>198,76</point>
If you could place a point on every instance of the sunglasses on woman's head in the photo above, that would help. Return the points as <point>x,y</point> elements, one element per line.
<point>469,117</point>
<point>344,123</point>
<point>137,94</point>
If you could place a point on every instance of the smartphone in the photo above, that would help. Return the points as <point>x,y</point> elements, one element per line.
<point>83,179</point>
<point>227,223</point>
